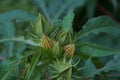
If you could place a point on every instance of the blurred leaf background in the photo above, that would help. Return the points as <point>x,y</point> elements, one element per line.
<point>16,16</point>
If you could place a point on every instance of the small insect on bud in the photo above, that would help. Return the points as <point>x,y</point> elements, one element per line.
<point>69,50</point>
<point>46,42</point>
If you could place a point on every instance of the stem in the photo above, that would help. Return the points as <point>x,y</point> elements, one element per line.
<point>86,78</point>
<point>106,12</point>
<point>47,76</point>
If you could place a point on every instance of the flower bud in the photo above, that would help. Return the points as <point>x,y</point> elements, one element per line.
<point>38,27</point>
<point>41,26</point>
<point>65,37</point>
<point>69,50</point>
<point>56,49</point>
<point>46,42</point>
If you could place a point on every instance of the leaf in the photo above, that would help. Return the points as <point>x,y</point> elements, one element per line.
<point>41,3</point>
<point>55,8</point>
<point>20,47</point>
<point>10,64</point>
<point>38,27</point>
<point>68,5</point>
<point>67,21</point>
<point>5,77</point>
<point>4,66</point>
<point>18,15</point>
<point>113,64</point>
<point>95,50</point>
<point>99,24</point>
<point>89,69</point>
<point>8,30</point>
<point>7,69</point>
<point>33,64</point>
<point>47,27</point>
<point>91,5</point>
<point>41,26</point>
<point>115,4</point>
<point>40,70</point>
<point>52,8</point>
<point>20,39</point>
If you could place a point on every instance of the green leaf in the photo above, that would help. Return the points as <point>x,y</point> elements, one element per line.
<point>33,64</point>
<point>38,27</point>
<point>18,15</point>
<point>67,21</point>
<point>55,8</point>
<point>46,25</point>
<point>56,50</point>
<point>40,70</point>
<point>95,49</point>
<point>8,66</point>
<point>91,5</point>
<point>65,37</point>
<point>8,31</point>
<point>7,74</point>
<point>20,47</point>
<point>20,39</point>
<point>9,71</point>
<point>115,4</point>
<point>44,8</point>
<point>68,5</point>
<point>113,64</point>
<point>99,24</point>
<point>62,69</point>
<point>41,26</point>
<point>89,69</point>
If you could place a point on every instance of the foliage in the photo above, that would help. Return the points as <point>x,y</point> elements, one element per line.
<point>50,49</point>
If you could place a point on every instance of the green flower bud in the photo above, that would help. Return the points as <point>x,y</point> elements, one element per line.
<point>38,27</point>
<point>46,42</point>
<point>41,26</point>
<point>65,37</point>
<point>69,50</point>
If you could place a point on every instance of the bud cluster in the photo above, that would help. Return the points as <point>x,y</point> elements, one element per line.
<point>48,43</point>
